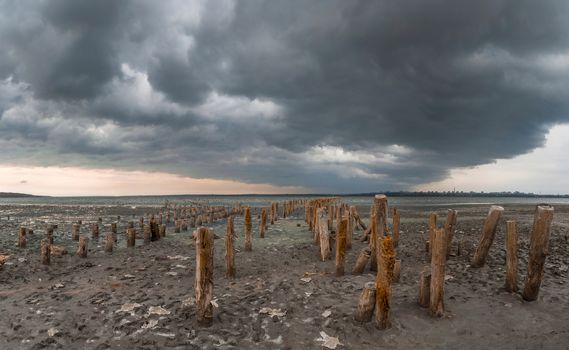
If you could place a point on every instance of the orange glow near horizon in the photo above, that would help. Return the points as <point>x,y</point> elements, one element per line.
<point>75,181</point>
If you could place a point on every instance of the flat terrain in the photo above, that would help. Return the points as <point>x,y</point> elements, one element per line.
<point>142,298</point>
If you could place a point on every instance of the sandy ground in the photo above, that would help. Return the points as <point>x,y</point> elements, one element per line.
<point>141,298</point>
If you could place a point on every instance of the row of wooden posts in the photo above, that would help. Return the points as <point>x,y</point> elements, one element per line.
<point>381,252</point>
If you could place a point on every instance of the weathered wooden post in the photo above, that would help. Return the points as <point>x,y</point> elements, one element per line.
<point>538,251</point>
<point>147,234</point>
<point>162,230</point>
<point>341,247</point>
<point>361,261</point>
<point>114,228</point>
<point>248,229</point>
<point>263,223</point>
<point>450,226</point>
<point>45,250</point>
<point>350,229</point>
<point>130,237</point>
<point>432,228</point>
<point>373,238</point>
<point>396,271</point>
<point>396,223</point>
<point>22,238</point>
<point>488,232</point>
<point>109,241</point>
<point>384,280</point>
<point>95,230</point>
<point>511,257</point>
<point>229,249</point>
<point>82,248</point>
<point>272,213</point>
<point>425,287</point>
<point>438,262</point>
<point>366,303</point>
<point>49,233</point>
<point>204,276</point>
<point>323,234</point>
<point>75,232</point>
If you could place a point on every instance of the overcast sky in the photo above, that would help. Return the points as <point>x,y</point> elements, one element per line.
<point>282,96</point>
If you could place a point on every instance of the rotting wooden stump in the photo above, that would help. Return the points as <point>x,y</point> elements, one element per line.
<point>204,276</point>
<point>488,233</point>
<point>511,257</point>
<point>373,238</point>
<point>114,228</point>
<point>162,230</point>
<point>361,261</point>
<point>130,237</point>
<point>425,287</point>
<point>248,230</point>
<point>538,251</point>
<point>45,251</point>
<point>341,247</point>
<point>350,229</point>
<point>147,234</point>
<point>95,230</point>
<point>324,235</point>
<point>109,242</point>
<point>450,227</point>
<point>383,282</point>
<point>178,225</point>
<point>22,242</point>
<point>432,228</point>
<point>82,247</point>
<point>75,228</point>
<point>49,233</point>
<point>263,225</point>
<point>366,303</point>
<point>396,271</point>
<point>229,249</point>
<point>396,224</point>
<point>438,262</point>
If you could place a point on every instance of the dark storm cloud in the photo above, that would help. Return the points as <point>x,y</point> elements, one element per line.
<point>331,95</point>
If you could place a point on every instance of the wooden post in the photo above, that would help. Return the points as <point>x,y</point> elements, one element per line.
<point>130,237</point>
<point>396,271</point>
<point>263,223</point>
<point>383,281</point>
<point>95,230</point>
<point>204,276</point>
<point>380,205</point>
<point>340,246</point>
<point>373,238</point>
<point>488,232</point>
<point>49,234</point>
<point>22,238</point>
<point>366,303</point>
<point>45,250</point>
<point>248,229</point>
<point>350,229</point>
<point>229,250</point>
<point>114,228</point>
<point>511,257</point>
<point>361,261</point>
<point>323,234</point>
<point>432,228</point>
<point>82,248</point>
<point>147,234</point>
<point>450,225</point>
<point>162,230</point>
<point>396,223</point>
<point>538,251</point>
<point>75,228</point>
<point>438,262</point>
<point>425,287</point>
<point>109,241</point>
<point>272,213</point>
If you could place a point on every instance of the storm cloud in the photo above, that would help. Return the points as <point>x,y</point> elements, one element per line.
<point>334,96</point>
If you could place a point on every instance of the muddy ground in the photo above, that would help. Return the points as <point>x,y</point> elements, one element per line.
<point>142,298</point>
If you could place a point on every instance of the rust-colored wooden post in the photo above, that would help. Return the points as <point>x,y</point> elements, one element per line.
<point>538,251</point>
<point>366,303</point>
<point>341,247</point>
<point>349,229</point>
<point>45,250</point>
<point>130,237</point>
<point>248,230</point>
<point>511,257</point>
<point>450,226</point>
<point>204,276</point>
<point>323,234</point>
<point>487,237</point>
<point>432,228</point>
<point>82,247</point>
<point>263,224</point>
<point>438,263</point>
<point>229,249</point>
<point>396,224</point>
<point>384,280</point>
